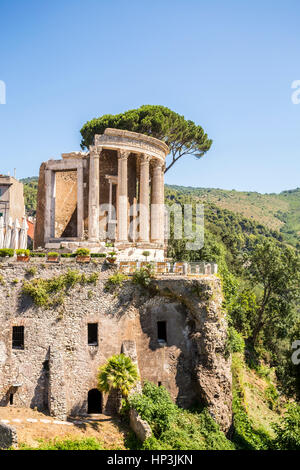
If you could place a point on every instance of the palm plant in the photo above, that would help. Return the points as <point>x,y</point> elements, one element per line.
<point>119,373</point>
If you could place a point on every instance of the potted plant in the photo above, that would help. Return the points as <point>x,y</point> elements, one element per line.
<point>52,257</point>
<point>83,255</point>
<point>146,254</point>
<point>111,257</point>
<point>6,252</point>
<point>23,255</point>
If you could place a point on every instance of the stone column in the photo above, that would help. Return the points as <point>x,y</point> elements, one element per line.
<point>94,194</point>
<point>49,220</point>
<point>144,198</point>
<point>80,228</point>
<point>122,209</point>
<point>157,203</point>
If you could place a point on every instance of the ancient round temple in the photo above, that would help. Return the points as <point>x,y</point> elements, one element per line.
<point>112,193</point>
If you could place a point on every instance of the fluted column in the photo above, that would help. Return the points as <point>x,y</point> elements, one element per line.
<point>50,189</point>
<point>122,211</point>
<point>94,194</point>
<point>157,203</point>
<point>80,202</point>
<point>144,198</point>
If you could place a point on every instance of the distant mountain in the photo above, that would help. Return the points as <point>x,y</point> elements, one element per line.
<point>280,212</point>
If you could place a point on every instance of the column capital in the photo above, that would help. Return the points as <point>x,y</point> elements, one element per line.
<point>144,158</point>
<point>158,164</point>
<point>95,151</point>
<point>123,154</point>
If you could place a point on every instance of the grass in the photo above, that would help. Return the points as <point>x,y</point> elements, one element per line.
<point>66,444</point>
<point>50,292</point>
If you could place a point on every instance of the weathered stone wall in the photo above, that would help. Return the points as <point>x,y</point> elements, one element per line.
<point>39,232</point>
<point>66,204</point>
<point>57,368</point>
<point>8,436</point>
<point>139,426</point>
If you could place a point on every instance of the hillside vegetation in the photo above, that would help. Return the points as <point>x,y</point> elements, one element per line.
<point>276,211</point>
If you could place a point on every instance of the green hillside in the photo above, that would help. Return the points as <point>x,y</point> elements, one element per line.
<point>280,212</point>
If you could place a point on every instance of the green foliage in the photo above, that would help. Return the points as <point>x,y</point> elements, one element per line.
<point>31,271</point>
<point>119,373</point>
<point>288,431</point>
<point>52,254</point>
<point>235,341</point>
<point>155,406</point>
<point>275,211</point>
<point>37,254</point>
<point>245,436</point>
<point>6,252</point>
<point>88,443</point>
<point>115,280</point>
<point>277,271</point>
<point>83,252</point>
<point>30,194</point>
<point>22,252</point>
<point>98,255</point>
<point>173,427</point>
<point>50,292</point>
<point>272,396</point>
<point>182,136</point>
<point>143,276</point>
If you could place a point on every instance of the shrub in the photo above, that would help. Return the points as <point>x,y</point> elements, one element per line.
<point>235,342</point>
<point>116,280</point>
<point>37,254</point>
<point>288,431</point>
<point>111,254</point>
<point>98,255</point>
<point>272,397</point>
<point>143,276</point>
<point>68,255</point>
<point>23,252</point>
<point>83,252</point>
<point>155,406</point>
<point>50,292</point>
<point>173,427</point>
<point>31,271</point>
<point>6,252</point>
<point>52,254</point>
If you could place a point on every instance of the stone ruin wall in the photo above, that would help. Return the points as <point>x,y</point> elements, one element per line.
<point>57,368</point>
<point>66,204</point>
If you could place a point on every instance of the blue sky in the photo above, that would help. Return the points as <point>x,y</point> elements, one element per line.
<point>228,66</point>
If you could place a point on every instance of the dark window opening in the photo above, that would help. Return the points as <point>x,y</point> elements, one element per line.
<point>11,399</point>
<point>159,384</point>
<point>94,401</point>
<point>93,334</point>
<point>18,337</point>
<point>162,331</point>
